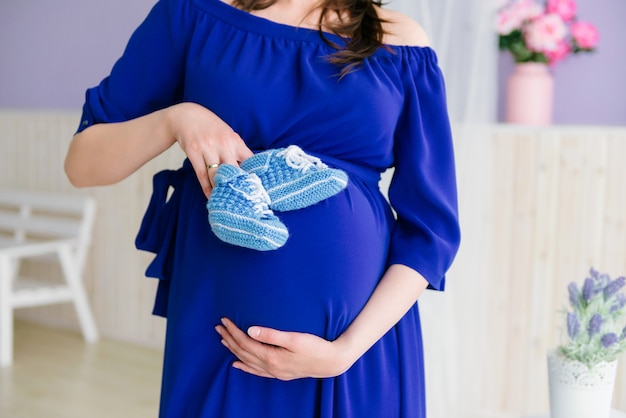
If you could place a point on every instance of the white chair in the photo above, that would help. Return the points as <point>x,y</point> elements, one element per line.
<point>36,225</point>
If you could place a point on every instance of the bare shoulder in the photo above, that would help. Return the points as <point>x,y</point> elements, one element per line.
<point>401,29</point>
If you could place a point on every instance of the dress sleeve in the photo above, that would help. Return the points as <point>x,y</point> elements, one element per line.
<point>423,188</point>
<point>149,74</point>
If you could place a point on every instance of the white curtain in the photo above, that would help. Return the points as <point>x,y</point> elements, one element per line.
<point>461,31</point>
<point>462,34</point>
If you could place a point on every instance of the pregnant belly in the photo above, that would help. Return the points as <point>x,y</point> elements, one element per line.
<point>319,281</point>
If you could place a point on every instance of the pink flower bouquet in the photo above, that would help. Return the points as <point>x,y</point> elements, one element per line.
<point>545,33</point>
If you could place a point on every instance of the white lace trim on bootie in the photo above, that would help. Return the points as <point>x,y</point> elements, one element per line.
<point>299,160</point>
<point>258,196</point>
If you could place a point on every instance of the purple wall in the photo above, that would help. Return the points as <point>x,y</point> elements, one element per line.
<point>52,51</point>
<point>589,89</point>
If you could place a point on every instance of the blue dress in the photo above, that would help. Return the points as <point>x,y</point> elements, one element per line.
<point>273,85</point>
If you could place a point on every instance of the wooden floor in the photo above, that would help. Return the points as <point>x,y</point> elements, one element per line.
<point>57,375</point>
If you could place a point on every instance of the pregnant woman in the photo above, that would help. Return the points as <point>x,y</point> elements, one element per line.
<point>327,325</point>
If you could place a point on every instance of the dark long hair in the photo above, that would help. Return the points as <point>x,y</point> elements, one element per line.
<point>358,23</point>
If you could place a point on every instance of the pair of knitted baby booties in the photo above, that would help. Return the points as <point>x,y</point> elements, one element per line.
<point>242,204</point>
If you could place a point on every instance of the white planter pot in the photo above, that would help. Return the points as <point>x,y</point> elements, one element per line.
<point>576,391</point>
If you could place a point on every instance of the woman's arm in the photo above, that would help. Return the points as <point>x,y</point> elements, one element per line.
<point>107,153</point>
<point>291,355</point>
<point>396,293</point>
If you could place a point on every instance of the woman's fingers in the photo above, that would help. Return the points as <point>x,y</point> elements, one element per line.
<point>252,370</point>
<point>243,153</point>
<point>202,172</point>
<point>283,355</point>
<point>245,348</point>
<point>254,357</point>
<point>232,157</point>
<point>211,171</point>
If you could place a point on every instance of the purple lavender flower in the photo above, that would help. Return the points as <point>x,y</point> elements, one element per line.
<point>588,290</point>
<point>613,287</point>
<point>620,302</point>
<point>595,323</point>
<point>574,295</point>
<point>573,325</point>
<point>604,280</point>
<point>608,339</point>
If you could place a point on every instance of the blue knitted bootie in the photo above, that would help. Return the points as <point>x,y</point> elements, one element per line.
<point>293,179</point>
<point>239,213</point>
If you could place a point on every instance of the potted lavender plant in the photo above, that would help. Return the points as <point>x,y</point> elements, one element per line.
<point>582,370</point>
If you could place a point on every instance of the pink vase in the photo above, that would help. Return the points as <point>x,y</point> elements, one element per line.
<point>530,92</point>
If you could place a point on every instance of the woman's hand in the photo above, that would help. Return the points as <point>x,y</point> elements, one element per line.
<point>283,355</point>
<point>206,139</point>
